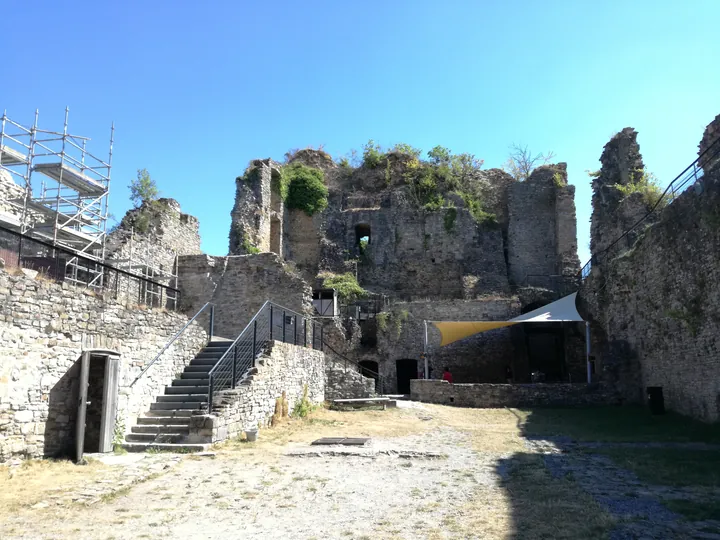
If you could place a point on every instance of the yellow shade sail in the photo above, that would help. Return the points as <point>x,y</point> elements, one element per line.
<point>562,310</point>
<point>451,331</point>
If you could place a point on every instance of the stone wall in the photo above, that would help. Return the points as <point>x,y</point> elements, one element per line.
<point>513,395</point>
<point>542,234</point>
<point>479,358</point>
<point>238,286</point>
<point>9,190</point>
<point>44,327</point>
<point>284,368</point>
<point>344,381</point>
<point>655,306</point>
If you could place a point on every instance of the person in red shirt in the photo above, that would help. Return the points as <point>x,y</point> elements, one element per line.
<point>447,376</point>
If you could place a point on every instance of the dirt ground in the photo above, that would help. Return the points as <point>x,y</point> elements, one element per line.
<point>428,472</point>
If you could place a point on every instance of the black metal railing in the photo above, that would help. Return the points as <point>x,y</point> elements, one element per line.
<point>690,175</point>
<point>63,265</point>
<point>271,323</point>
<point>211,325</point>
<point>358,367</point>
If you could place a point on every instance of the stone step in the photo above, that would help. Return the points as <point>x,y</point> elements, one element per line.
<point>160,428</point>
<point>187,389</point>
<point>183,398</point>
<point>163,418</point>
<point>166,447</point>
<point>203,361</point>
<point>178,406</point>
<point>189,381</point>
<point>197,369</point>
<point>155,437</point>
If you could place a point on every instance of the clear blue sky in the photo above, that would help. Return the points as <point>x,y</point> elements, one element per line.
<point>197,89</point>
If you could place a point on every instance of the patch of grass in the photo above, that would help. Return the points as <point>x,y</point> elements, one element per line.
<point>695,510</point>
<point>616,424</point>
<point>669,466</point>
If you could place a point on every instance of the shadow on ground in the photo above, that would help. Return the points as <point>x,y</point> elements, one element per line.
<point>613,472</point>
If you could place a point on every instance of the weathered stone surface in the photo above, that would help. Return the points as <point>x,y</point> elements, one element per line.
<point>513,395</point>
<point>44,327</point>
<point>655,305</point>
<point>238,286</point>
<point>284,368</point>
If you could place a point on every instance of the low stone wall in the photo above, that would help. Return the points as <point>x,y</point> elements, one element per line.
<point>44,327</point>
<point>512,395</point>
<point>284,368</point>
<point>345,382</point>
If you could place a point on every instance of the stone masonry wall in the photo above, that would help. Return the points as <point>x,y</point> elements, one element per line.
<point>9,190</point>
<point>513,395</point>
<point>479,358</point>
<point>655,307</point>
<point>44,327</point>
<point>542,233</point>
<point>238,286</point>
<point>284,368</point>
<point>345,382</point>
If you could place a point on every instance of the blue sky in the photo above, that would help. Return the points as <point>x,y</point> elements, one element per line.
<point>197,90</point>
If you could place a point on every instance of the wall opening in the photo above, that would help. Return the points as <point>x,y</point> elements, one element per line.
<point>545,344</point>
<point>363,236</point>
<point>369,368</point>
<point>276,236</point>
<point>368,332</point>
<point>95,402</point>
<point>407,370</point>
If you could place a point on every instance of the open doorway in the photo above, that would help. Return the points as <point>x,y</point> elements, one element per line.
<point>545,348</point>
<point>407,370</point>
<point>97,404</point>
<point>363,237</point>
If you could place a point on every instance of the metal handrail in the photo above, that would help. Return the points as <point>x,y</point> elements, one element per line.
<point>172,340</point>
<point>240,357</point>
<point>714,147</point>
<point>379,387</point>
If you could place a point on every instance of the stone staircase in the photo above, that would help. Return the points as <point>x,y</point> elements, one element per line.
<point>166,425</point>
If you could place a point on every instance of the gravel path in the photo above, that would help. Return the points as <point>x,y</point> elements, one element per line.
<point>403,486</point>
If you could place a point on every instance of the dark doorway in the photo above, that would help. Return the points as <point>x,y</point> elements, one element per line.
<point>93,414</point>
<point>369,368</point>
<point>545,347</point>
<point>362,236</point>
<point>406,371</point>
<point>275,236</point>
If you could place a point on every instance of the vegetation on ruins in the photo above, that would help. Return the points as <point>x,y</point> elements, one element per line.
<point>647,185</point>
<point>247,246</point>
<point>522,162</point>
<point>143,189</point>
<point>303,407</point>
<point>346,285</point>
<point>397,319</point>
<point>303,188</point>
<point>449,220</point>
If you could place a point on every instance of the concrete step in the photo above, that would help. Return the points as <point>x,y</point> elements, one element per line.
<point>155,437</point>
<point>163,418</point>
<point>166,447</point>
<point>173,398</point>
<point>189,381</point>
<point>187,389</point>
<point>159,428</point>
<point>178,406</point>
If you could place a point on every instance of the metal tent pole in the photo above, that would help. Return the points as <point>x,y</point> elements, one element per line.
<point>425,346</point>
<point>587,351</point>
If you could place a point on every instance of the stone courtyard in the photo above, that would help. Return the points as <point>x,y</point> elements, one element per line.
<point>429,471</point>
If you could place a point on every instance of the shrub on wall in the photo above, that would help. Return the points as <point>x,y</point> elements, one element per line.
<point>303,188</point>
<point>647,185</point>
<point>346,285</point>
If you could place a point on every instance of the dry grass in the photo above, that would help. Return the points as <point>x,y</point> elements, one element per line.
<point>328,423</point>
<point>37,480</point>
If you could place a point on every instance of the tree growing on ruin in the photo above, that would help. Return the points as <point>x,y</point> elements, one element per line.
<point>522,162</point>
<point>143,189</point>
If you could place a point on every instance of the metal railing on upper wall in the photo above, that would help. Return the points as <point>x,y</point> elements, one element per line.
<point>63,265</point>
<point>271,323</point>
<point>172,340</point>
<point>690,175</point>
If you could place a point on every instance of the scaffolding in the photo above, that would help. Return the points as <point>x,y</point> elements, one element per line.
<point>59,194</point>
